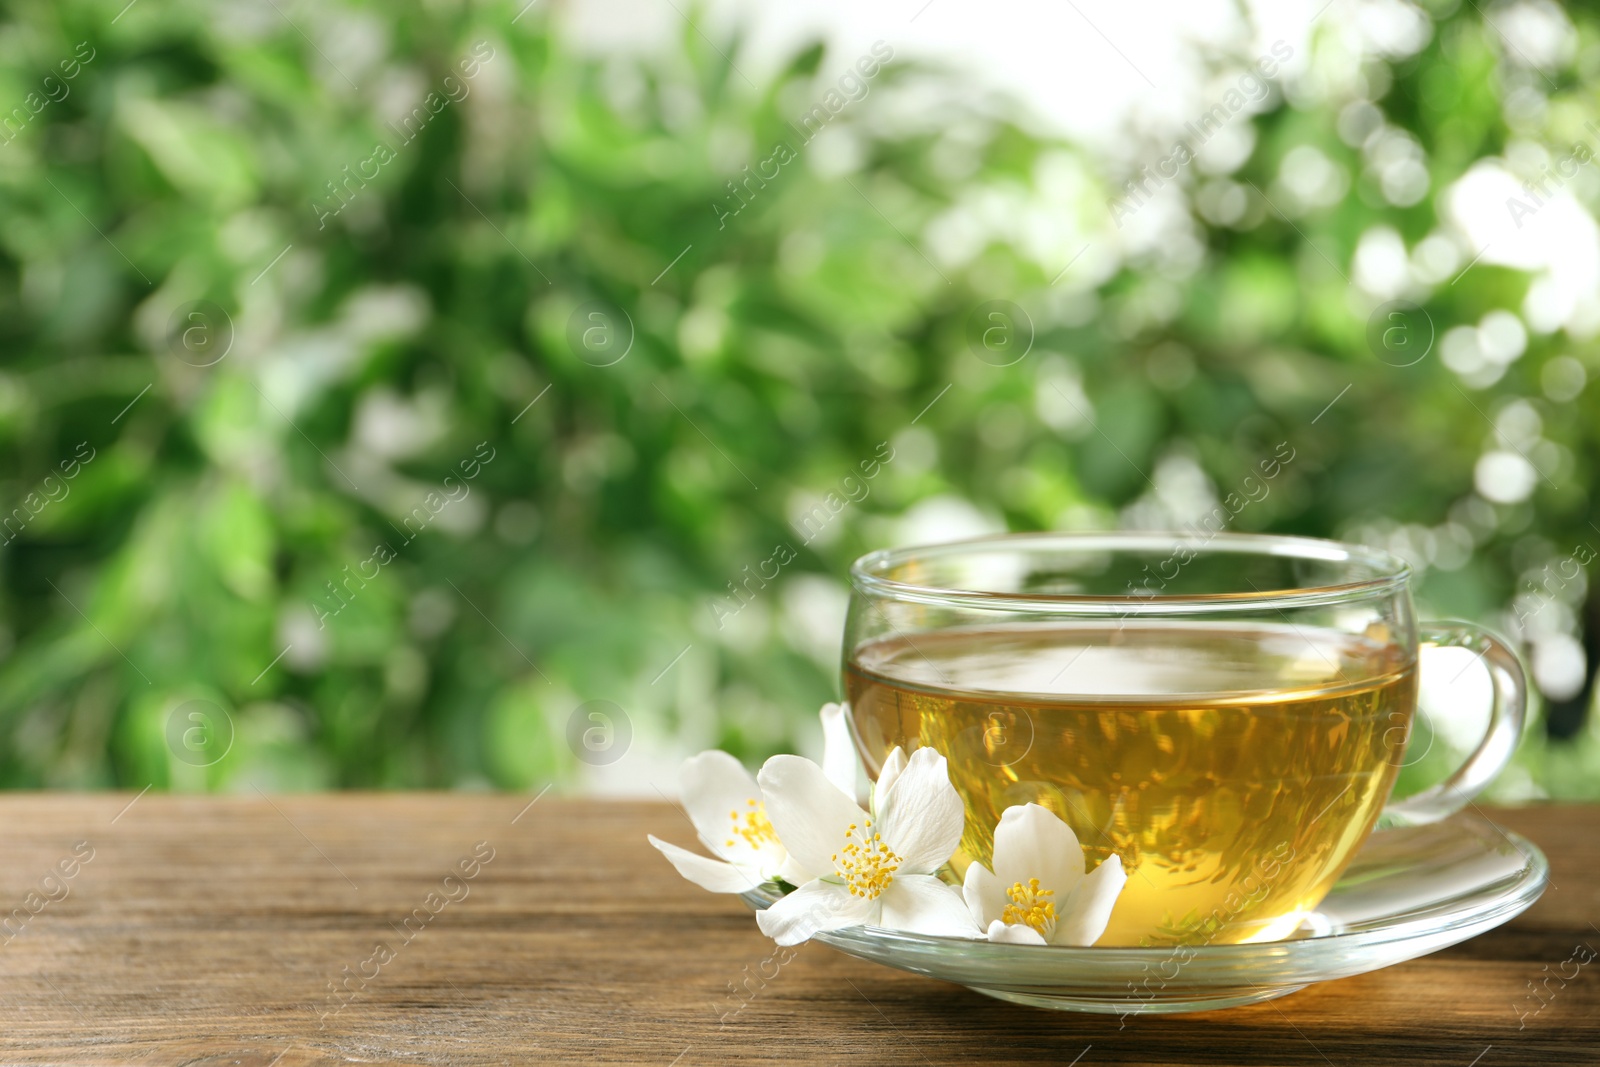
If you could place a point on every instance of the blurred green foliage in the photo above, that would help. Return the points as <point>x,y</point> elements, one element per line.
<point>305,420</point>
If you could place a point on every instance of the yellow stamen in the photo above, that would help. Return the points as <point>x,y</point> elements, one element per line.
<point>1030,906</point>
<point>868,865</point>
<point>753,826</point>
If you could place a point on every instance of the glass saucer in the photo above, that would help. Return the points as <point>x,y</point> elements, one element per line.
<point>1408,892</point>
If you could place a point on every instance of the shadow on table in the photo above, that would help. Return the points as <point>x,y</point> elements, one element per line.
<point>1465,1006</point>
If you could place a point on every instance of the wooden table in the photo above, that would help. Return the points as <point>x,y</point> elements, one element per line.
<point>244,931</point>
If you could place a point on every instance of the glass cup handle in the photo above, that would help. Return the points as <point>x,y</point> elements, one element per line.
<point>1506,718</point>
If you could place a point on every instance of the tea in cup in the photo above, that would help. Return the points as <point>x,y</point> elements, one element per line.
<point>1227,714</point>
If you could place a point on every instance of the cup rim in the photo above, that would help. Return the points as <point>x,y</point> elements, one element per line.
<point>1393,573</point>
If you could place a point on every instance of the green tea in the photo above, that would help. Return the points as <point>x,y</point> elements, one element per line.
<point>1234,770</point>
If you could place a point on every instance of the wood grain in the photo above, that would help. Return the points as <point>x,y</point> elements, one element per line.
<point>212,930</point>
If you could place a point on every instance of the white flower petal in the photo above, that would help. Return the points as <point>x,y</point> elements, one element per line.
<point>920,815</point>
<point>1088,908</point>
<point>715,785</point>
<point>1032,842</point>
<point>921,904</point>
<point>808,812</point>
<point>838,749</point>
<point>1013,935</point>
<point>794,872</point>
<point>811,909</point>
<point>893,764</point>
<point>707,873</point>
<point>984,895</point>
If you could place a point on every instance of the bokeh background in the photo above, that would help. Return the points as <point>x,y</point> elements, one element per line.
<point>401,395</point>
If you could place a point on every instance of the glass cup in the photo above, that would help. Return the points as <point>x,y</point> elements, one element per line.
<point>1226,714</point>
